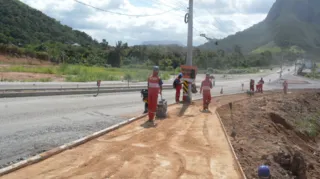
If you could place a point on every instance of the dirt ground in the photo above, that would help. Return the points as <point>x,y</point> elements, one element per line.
<point>20,76</point>
<point>187,144</point>
<point>4,59</point>
<point>7,61</point>
<point>273,129</point>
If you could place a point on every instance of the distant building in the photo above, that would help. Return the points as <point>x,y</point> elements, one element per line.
<point>76,44</point>
<point>308,64</point>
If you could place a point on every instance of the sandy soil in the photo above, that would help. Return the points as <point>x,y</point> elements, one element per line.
<point>21,76</point>
<point>22,61</point>
<point>7,61</point>
<point>269,131</point>
<point>188,144</point>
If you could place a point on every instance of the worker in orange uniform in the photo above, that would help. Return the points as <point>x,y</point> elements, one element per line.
<point>285,87</point>
<point>177,84</point>
<point>252,85</point>
<point>154,88</point>
<point>259,86</point>
<point>205,89</point>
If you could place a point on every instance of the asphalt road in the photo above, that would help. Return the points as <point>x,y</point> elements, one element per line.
<point>34,124</point>
<point>37,85</point>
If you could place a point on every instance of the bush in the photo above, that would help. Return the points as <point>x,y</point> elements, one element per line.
<point>210,70</point>
<point>42,56</point>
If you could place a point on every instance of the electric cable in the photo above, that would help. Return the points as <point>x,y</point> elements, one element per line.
<point>118,13</point>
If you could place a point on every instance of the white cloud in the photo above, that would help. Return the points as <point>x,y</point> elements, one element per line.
<point>216,18</point>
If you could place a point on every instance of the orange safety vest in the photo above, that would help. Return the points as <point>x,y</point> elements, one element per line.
<point>153,82</point>
<point>206,85</point>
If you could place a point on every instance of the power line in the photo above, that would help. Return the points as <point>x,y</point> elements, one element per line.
<point>163,4</point>
<point>138,15</point>
<point>210,13</point>
<point>122,14</point>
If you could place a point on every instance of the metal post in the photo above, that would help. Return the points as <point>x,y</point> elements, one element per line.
<point>281,63</point>
<point>190,46</point>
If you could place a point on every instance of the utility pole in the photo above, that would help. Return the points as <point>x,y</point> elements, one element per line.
<point>190,44</point>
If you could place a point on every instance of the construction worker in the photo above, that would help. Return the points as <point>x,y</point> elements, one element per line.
<point>264,172</point>
<point>285,87</point>
<point>177,84</point>
<point>206,86</point>
<point>252,85</point>
<point>154,88</point>
<point>260,86</point>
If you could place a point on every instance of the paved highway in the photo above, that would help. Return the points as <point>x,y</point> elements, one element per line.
<point>34,124</point>
<point>48,85</point>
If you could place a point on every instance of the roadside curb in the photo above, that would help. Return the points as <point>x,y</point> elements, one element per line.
<point>231,147</point>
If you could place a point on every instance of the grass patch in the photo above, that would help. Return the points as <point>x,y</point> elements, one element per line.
<point>30,80</point>
<point>80,73</point>
<point>235,71</point>
<point>310,124</point>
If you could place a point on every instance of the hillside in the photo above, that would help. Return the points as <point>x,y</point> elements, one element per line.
<point>20,24</point>
<point>288,23</point>
<point>29,37</point>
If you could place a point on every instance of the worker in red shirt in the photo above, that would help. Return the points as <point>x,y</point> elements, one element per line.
<point>252,85</point>
<point>154,88</point>
<point>177,84</point>
<point>205,89</point>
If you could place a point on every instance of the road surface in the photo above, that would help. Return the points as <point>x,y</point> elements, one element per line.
<point>37,85</point>
<point>34,124</point>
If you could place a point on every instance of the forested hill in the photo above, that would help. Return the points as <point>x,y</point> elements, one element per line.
<point>288,23</point>
<point>29,33</point>
<point>20,24</point>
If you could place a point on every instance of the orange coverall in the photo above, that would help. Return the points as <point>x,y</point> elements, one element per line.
<point>154,87</point>
<point>205,88</point>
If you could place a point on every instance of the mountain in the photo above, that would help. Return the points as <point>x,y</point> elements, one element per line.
<point>288,23</point>
<point>20,24</point>
<point>163,42</point>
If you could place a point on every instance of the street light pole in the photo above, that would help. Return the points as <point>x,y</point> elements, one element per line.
<point>189,43</point>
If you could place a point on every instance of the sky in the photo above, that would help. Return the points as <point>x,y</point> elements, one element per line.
<point>137,21</point>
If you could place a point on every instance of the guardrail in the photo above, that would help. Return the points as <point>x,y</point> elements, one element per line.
<point>77,88</point>
<point>10,93</point>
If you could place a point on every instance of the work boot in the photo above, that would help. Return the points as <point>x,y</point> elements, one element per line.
<point>151,122</point>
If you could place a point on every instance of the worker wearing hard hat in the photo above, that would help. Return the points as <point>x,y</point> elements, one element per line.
<point>154,88</point>
<point>177,84</point>
<point>264,172</point>
<point>205,89</point>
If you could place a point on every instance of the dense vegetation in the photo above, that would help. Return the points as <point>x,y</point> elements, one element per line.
<point>28,33</point>
<point>288,23</point>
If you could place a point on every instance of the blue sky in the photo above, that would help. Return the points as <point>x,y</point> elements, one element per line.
<point>216,18</point>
